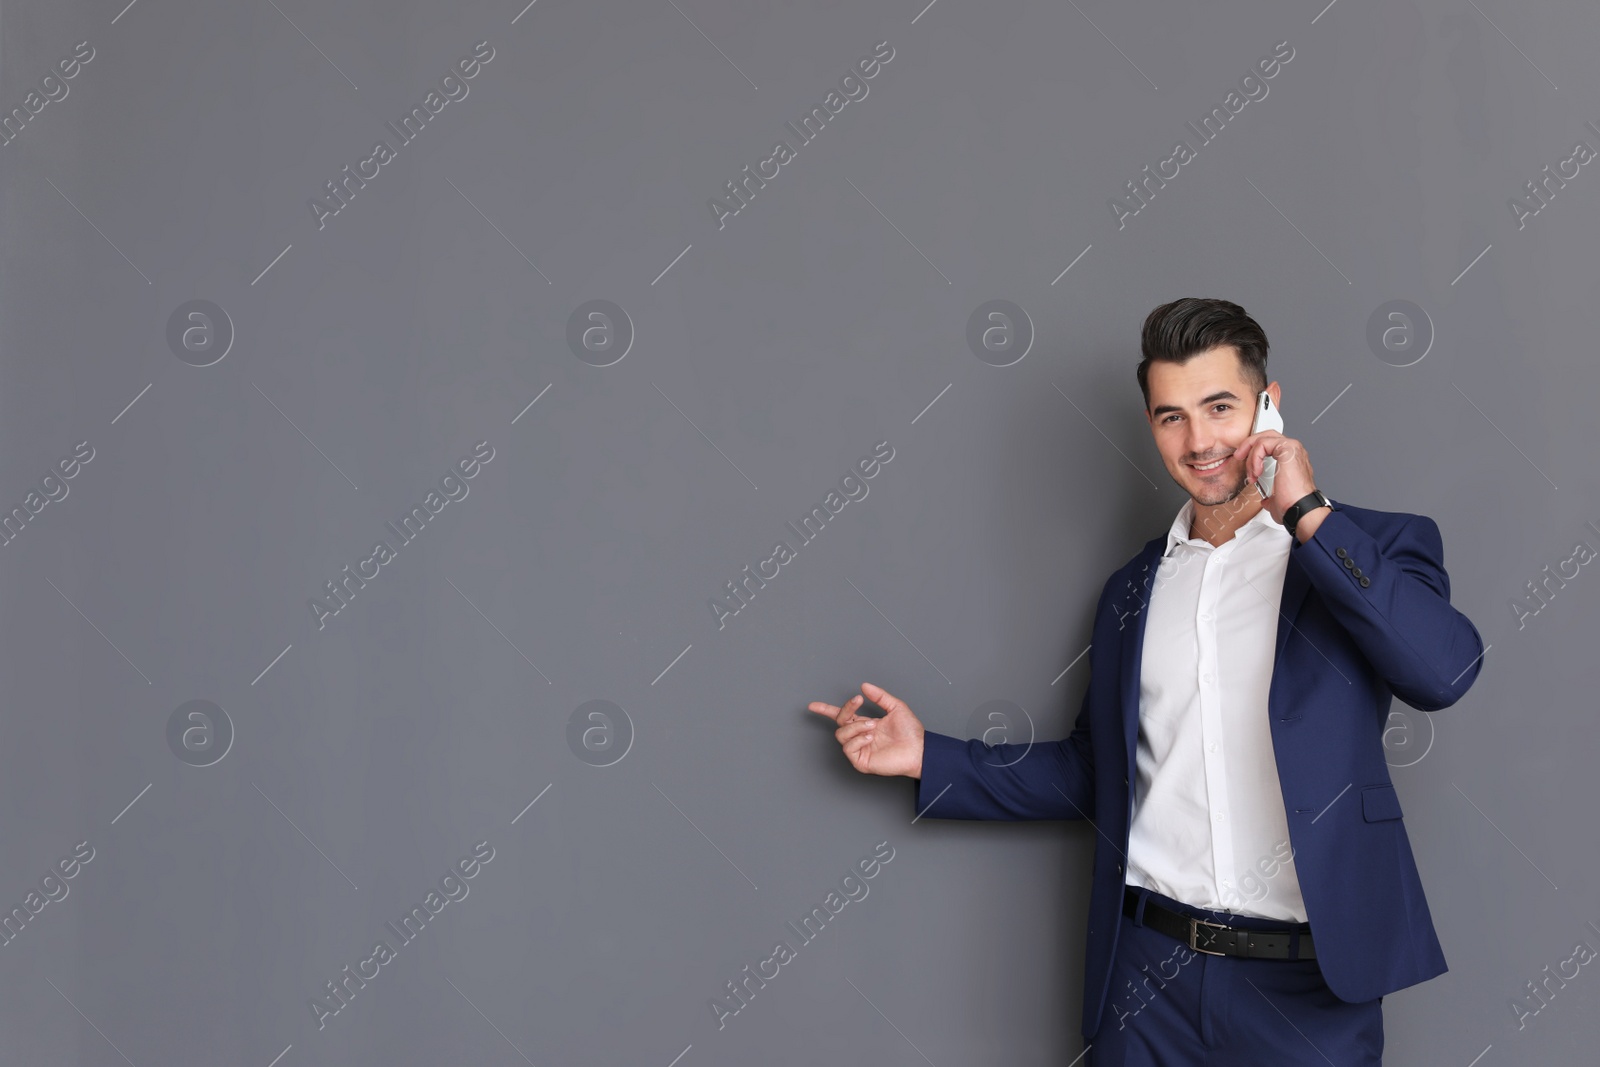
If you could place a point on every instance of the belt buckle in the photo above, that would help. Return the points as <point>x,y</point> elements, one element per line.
<point>1194,929</point>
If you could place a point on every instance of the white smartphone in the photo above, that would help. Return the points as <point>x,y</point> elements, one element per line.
<point>1267,418</point>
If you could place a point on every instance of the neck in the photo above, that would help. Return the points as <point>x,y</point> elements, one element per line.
<point>1217,523</point>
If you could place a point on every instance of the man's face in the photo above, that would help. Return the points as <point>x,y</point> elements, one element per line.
<point>1200,411</point>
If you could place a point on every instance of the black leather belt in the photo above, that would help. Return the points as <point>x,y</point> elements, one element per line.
<point>1219,939</point>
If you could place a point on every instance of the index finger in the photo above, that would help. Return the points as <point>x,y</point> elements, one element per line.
<point>842,716</point>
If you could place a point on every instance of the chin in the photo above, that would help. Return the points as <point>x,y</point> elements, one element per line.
<point>1210,496</point>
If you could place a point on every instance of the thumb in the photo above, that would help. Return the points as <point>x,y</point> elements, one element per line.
<point>883,698</point>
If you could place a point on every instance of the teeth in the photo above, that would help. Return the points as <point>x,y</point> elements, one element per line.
<point>1210,466</point>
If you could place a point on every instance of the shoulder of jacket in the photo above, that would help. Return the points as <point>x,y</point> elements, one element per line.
<point>1376,522</point>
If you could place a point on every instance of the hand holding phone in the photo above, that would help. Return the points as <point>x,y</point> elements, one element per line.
<point>1267,418</point>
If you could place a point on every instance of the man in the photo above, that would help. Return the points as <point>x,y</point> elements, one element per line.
<point>1254,893</point>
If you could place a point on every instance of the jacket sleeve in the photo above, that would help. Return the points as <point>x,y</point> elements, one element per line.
<point>1038,780</point>
<point>1428,652</point>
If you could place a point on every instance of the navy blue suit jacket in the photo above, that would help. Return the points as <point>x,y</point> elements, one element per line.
<point>1365,617</point>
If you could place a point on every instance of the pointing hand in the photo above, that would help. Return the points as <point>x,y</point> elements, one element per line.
<point>890,745</point>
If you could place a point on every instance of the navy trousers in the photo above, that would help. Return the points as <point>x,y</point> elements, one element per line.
<point>1170,1006</point>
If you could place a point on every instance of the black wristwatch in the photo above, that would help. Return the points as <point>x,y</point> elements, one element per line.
<point>1300,508</point>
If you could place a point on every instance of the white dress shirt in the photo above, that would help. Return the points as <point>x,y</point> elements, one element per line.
<point>1209,826</point>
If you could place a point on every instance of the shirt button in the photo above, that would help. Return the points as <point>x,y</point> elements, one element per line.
<point>1217,816</point>
<point>1213,746</point>
<point>1205,616</point>
<point>1206,678</point>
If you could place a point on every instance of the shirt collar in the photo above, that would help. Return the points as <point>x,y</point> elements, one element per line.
<point>1178,533</point>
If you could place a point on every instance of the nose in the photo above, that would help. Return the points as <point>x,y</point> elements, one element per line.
<point>1202,443</point>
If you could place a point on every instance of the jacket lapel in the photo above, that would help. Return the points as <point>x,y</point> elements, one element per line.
<point>1296,586</point>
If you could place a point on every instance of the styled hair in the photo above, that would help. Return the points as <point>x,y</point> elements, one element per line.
<point>1181,330</point>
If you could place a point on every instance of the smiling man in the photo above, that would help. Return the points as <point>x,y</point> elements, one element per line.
<point>1234,715</point>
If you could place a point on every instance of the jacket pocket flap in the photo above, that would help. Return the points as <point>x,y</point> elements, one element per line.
<point>1379,802</point>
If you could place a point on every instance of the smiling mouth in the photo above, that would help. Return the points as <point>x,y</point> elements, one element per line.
<point>1209,468</point>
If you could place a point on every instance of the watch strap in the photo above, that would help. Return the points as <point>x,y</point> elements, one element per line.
<point>1300,508</point>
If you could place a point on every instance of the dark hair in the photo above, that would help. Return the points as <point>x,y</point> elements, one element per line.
<point>1181,330</point>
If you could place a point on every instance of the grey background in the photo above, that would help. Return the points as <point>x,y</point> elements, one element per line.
<point>829,315</point>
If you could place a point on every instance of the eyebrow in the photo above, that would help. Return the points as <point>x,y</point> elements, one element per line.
<point>1207,402</point>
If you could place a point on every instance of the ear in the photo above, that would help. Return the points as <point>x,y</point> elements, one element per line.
<point>1276,393</point>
